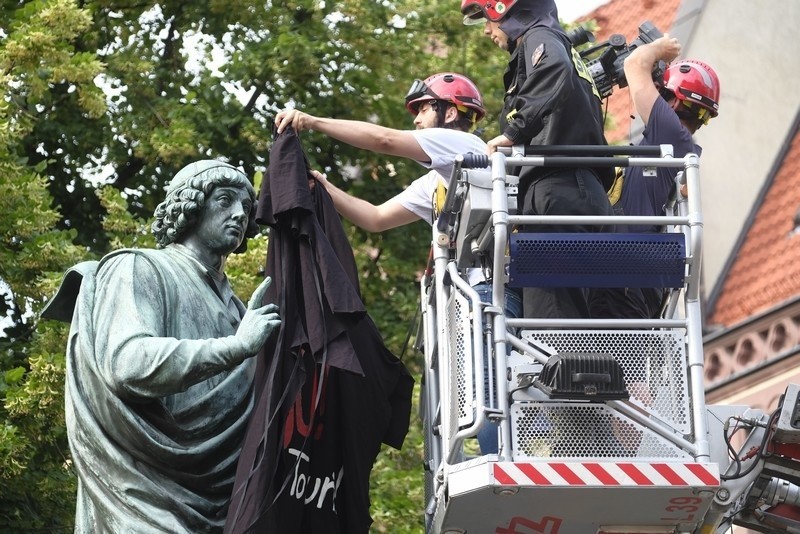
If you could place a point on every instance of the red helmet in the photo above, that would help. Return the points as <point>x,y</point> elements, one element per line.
<point>475,11</point>
<point>694,82</point>
<point>450,87</point>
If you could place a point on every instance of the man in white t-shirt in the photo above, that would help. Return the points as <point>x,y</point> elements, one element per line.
<point>446,107</point>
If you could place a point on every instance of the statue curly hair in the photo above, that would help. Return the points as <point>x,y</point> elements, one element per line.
<point>186,196</point>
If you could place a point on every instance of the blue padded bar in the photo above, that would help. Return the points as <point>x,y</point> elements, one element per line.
<point>597,260</point>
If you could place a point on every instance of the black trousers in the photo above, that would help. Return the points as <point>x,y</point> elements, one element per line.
<point>562,192</point>
<point>625,303</point>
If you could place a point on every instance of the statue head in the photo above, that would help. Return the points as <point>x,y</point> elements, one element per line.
<point>186,195</point>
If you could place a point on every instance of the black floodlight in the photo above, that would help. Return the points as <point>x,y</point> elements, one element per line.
<point>581,376</point>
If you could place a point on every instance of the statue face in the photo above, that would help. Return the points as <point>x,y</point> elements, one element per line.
<point>223,222</point>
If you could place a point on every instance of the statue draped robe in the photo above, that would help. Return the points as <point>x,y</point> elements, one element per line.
<point>157,396</point>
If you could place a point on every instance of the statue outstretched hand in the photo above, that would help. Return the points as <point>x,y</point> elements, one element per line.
<point>259,320</point>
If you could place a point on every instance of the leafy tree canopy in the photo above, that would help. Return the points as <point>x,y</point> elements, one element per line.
<point>104,100</point>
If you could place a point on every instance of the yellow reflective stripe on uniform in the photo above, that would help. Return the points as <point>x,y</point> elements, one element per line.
<point>583,72</point>
<point>615,192</point>
<point>438,198</point>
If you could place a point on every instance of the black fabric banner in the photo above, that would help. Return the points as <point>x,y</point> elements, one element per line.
<point>327,390</point>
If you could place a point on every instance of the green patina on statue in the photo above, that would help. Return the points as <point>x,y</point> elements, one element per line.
<point>159,367</point>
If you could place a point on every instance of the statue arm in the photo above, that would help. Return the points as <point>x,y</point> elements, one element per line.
<point>138,354</point>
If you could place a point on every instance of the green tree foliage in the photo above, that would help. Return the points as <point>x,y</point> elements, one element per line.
<point>38,65</point>
<point>103,101</point>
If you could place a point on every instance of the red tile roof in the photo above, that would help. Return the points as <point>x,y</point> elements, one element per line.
<point>624,17</point>
<point>766,269</point>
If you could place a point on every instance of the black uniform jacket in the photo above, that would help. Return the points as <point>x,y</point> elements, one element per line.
<point>328,392</point>
<point>550,98</point>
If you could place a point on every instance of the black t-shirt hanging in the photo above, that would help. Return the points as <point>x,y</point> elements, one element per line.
<point>327,391</point>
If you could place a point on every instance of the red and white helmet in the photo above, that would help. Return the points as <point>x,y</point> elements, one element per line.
<point>475,11</point>
<point>696,85</point>
<point>450,87</point>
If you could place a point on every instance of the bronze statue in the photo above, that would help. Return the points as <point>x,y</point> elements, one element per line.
<point>159,367</point>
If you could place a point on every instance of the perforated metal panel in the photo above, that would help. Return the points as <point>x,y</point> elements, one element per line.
<point>597,260</point>
<point>427,436</point>
<point>653,361</point>
<point>573,430</point>
<point>462,380</point>
<point>655,369</point>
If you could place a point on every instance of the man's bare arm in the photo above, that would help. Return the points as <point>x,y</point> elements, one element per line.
<point>363,214</point>
<point>639,68</point>
<point>356,133</point>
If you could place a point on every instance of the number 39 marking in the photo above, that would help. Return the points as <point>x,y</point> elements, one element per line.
<point>684,507</point>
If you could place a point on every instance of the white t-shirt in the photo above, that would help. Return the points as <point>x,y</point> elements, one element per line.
<point>442,145</point>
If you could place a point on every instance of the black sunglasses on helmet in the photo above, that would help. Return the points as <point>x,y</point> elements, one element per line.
<point>418,90</point>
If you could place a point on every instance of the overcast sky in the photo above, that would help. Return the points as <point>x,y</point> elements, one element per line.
<point>569,10</point>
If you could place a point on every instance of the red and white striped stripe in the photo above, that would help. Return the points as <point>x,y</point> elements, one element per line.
<point>605,474</point>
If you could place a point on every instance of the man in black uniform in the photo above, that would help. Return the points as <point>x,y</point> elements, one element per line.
<point>550,99</point>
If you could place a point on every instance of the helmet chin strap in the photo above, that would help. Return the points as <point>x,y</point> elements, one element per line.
<point>689,119</point>
<point>442,108</point>
<point>441,112</point>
